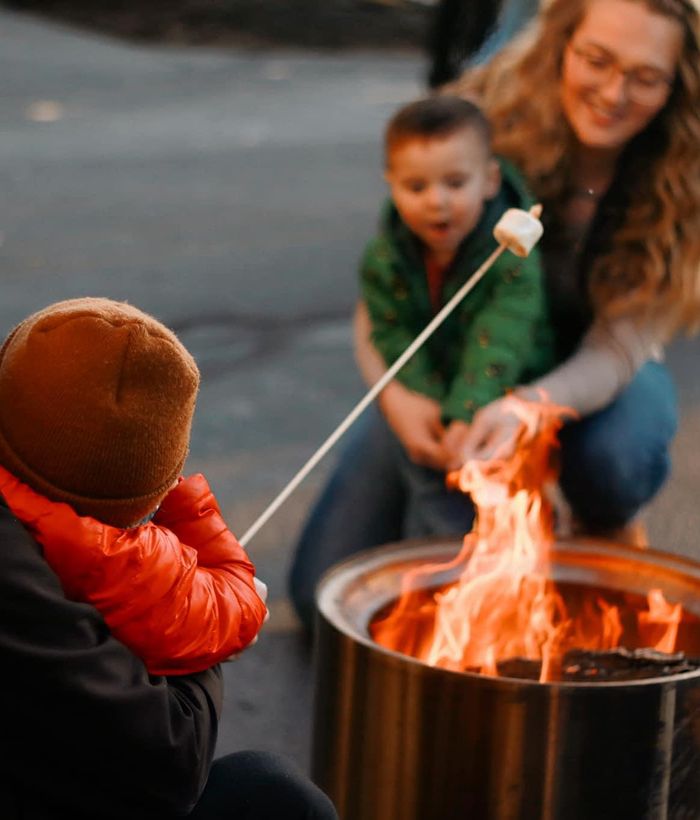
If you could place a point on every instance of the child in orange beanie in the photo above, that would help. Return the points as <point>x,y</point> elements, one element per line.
<point>96,406</point>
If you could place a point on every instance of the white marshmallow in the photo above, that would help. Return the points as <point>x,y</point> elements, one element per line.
<point>519,230</point>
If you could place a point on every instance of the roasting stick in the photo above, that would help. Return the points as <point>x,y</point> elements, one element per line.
<point>509,237</point>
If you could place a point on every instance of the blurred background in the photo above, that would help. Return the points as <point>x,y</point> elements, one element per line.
<point>218,165</point>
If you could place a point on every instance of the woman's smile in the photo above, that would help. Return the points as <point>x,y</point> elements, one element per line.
<point>615,72</point>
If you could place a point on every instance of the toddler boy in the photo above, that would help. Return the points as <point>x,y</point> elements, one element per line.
<point>96,406</point>
<point>447,193</point>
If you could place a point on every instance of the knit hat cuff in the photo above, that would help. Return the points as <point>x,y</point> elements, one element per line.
<point>120,512</point>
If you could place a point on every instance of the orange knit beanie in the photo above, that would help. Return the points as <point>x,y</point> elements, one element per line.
<point>96,405</point>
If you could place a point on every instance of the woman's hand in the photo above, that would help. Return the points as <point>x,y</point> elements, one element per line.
<point>493,433</point>
<point>416,421</point>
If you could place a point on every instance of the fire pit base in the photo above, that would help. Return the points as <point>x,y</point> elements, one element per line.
<point>395,739</point>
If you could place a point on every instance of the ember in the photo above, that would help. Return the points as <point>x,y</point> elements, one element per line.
<point>504,615</point>
<point>587,666</point>
<point>621,664</point>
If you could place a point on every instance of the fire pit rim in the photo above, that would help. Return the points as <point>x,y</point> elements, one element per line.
<point>374,556</point>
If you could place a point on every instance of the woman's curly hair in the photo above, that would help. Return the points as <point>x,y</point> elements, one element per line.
<point>653,264</point>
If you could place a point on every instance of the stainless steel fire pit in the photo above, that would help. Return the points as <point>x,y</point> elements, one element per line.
<point>395,739</point>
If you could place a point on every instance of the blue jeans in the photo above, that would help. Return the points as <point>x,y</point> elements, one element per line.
<point>612,463</point>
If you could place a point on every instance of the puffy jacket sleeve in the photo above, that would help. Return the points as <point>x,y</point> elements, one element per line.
<point>178,591</point>
<point>86,731</point>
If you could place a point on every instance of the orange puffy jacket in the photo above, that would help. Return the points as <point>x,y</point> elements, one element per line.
<point>177,591</point>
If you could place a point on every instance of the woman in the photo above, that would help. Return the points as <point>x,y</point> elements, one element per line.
<point>598,103</point>
<point>617,167</point>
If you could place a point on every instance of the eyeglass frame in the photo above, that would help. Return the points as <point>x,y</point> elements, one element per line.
<point>629,75</point>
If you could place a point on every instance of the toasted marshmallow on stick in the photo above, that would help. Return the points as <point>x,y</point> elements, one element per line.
<point>519,230</point>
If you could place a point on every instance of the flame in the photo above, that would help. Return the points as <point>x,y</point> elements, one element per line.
<point>504,604</point>
<point>660,623</point>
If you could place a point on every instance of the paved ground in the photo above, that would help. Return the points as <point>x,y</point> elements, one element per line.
<point>229,193</point>
<point>323,24</point>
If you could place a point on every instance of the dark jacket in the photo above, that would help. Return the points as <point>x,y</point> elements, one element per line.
<point>85,732</point>
<point>496,338</point>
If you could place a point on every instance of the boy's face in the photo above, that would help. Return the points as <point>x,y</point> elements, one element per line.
<point>439,185</point>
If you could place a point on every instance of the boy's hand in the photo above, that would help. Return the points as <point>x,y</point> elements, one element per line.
<point>416,421</point>
<point>453,444</point>
<point>261,589</point>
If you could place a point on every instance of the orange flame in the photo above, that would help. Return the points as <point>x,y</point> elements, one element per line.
<point>504,604</point>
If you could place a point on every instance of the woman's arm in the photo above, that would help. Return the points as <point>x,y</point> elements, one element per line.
<point>604,364</point>
<point>414,418</point>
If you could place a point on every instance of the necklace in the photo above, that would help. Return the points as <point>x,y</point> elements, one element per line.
<point>586,193</point>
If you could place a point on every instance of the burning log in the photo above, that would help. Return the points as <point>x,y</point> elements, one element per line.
<point>622,664</point>
<point>619,664</point>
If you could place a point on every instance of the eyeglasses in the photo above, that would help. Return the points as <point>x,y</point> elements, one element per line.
<point>645,85</point>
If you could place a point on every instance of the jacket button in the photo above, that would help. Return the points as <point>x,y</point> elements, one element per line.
<point>493,370</point>
<point>381,252</point>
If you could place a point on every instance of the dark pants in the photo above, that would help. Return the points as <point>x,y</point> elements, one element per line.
<point>260,786</point>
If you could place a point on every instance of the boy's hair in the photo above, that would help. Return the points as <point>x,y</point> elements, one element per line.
<point>435,117</point>
<point>96,405</point>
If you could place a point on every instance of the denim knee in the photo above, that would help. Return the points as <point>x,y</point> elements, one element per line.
<point>614,461</point>
<point>606,482</point>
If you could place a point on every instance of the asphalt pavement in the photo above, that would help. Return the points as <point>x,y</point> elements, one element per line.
<point>230,192</point>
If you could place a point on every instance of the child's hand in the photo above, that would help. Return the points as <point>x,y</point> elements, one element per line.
<point>261,589</point>
<point>416,421</point>
<point>453,444</point>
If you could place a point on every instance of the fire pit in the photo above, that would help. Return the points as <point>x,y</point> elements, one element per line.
<point>397,739</point>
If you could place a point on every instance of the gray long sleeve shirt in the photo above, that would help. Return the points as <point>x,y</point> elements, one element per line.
<point>605,362</point>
